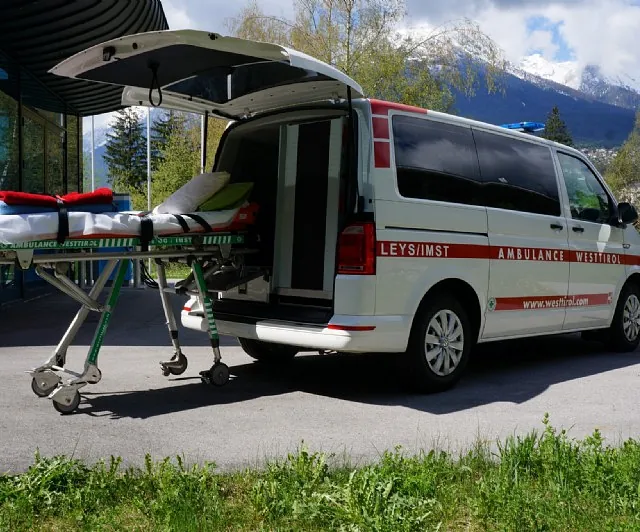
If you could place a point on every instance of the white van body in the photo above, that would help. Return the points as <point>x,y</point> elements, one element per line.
<point>403,230</point>
<point>535,268</point>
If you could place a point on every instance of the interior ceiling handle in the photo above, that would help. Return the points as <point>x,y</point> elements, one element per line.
<point>154,82</point>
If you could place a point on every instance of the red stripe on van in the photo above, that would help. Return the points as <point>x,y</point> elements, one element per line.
<point>382,154</point>
<point>380,128</point>
<point>551,302</point>
<point>448,250</point>
<point>380,107</point>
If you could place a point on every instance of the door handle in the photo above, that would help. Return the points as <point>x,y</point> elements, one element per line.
<point>577,229</point>
<point>557,227</point>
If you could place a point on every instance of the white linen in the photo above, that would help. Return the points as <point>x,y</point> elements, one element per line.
<point>15,228</point>
<point>193,193</point>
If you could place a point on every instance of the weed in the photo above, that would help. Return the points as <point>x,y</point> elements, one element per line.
<point>539,481</point>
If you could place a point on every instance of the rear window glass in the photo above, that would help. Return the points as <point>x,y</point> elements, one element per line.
<point>435,161</point>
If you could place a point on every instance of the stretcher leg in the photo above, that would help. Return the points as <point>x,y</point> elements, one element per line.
<point>66,396</point>
<point>44,378</point>
<point>218,374</point>
<point>178,363</point>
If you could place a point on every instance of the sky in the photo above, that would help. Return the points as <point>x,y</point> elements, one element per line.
<point>599,32</point>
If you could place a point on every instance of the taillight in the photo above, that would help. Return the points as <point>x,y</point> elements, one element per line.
<point>357,249</point>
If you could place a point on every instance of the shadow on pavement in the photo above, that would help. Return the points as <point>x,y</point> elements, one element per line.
<point>514,372</point>
<point>138,320</point>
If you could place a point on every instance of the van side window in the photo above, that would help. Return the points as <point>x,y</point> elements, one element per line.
<point>518,175</point>
<point>588,199</point>
<point>436,161</point>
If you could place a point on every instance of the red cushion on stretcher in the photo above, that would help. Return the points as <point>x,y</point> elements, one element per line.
<point>99,196</point>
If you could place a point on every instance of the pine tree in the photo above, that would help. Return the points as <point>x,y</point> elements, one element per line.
<point>556,128</point>
<point>126,153</point>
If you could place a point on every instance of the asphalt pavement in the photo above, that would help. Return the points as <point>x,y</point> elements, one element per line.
<point>353,406</point>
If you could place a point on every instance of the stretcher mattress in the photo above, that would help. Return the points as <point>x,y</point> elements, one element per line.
<point>18,228</point>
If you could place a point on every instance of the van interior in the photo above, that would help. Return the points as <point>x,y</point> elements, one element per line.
<point>299,165</point>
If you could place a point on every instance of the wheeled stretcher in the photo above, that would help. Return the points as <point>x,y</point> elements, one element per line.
<point>212,244</point>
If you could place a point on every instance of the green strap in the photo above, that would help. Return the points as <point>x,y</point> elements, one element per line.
<point>106,314</point>
<point>207,303</point>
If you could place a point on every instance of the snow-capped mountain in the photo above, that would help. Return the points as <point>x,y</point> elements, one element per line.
<point>99,136</point>
<point>565,73</point>
<point>621,91</point>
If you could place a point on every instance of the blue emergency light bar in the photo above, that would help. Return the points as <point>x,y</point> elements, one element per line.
<point>526,127</point>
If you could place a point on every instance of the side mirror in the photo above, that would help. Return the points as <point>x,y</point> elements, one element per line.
<point>627,213</point>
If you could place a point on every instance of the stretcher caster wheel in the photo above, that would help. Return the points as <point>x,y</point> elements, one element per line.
<point>43,384</point>
<point>68,408</point>
<point>218,375</point>
<point>175,366</point>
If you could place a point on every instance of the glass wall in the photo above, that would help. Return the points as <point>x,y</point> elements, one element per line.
<point>40,150</point>
<point>9,127</point>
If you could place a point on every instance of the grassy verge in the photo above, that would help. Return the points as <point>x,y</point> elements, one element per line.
<point>542,481</point>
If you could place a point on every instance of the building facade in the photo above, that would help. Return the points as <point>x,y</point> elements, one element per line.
<point>40,151</point>
<point>41,114</point>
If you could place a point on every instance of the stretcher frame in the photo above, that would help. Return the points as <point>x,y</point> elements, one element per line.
<point>220,249</point>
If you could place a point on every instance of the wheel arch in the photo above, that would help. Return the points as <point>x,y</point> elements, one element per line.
<point>632,279</point>
<point>464,293</point>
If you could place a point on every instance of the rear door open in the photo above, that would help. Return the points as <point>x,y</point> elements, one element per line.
<point>198,71</point>
<point>240,80</point>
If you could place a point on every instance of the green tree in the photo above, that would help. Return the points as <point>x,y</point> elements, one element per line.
<point>215,129</point>
<point>180,163</point>
<point>180,158</point>
<point>556,129</point>
<point>161,130</point>
<point>623,174</point>
<point>126,153</point>
<point>360,38</point>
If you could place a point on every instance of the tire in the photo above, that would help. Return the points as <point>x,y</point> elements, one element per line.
<point>432,377</point>
<point>626,320</point>
<point>268,352</point>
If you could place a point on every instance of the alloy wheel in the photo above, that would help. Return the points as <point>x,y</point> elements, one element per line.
<point>631,318</point>
<point>444,342</point>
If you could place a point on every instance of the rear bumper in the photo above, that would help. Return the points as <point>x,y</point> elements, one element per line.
<point>353,334</point>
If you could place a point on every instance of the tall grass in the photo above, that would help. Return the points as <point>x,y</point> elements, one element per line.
<point>541,481</point>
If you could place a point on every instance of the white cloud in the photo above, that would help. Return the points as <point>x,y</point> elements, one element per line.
<point>542,41</point>
<point>212,15</point>
<point>604,33</point>
<point>597,32</point>
<point>177,16</point>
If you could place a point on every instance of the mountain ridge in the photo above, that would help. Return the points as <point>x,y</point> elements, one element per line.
<point>590,80</point>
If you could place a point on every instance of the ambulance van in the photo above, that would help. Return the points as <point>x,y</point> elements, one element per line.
<point>385,227</point>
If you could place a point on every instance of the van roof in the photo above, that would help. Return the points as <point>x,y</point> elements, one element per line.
<point>383,107</point>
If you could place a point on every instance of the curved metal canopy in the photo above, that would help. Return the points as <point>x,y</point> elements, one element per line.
<point>38,34</point>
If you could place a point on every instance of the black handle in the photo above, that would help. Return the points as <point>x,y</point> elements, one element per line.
<point>556,226</point>
<point>578,229</point>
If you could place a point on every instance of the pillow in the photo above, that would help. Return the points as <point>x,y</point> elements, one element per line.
<point>193,193</point>
<point>229,197</point>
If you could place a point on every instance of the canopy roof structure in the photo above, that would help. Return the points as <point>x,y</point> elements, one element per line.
<point>38,34</point>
